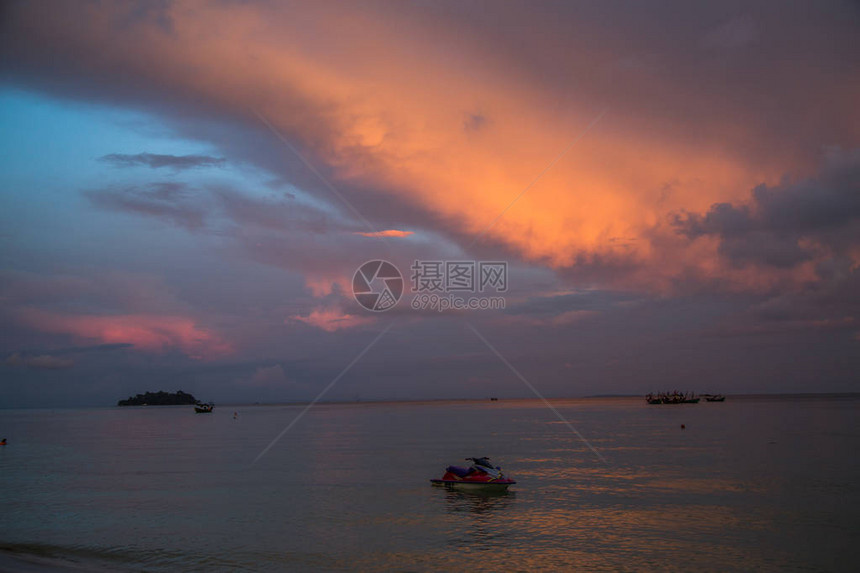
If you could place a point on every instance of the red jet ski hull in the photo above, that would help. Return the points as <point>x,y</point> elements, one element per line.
<point>472,480</point>
<point>501,484</point>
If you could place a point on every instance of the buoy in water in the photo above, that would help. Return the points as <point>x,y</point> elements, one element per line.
<point>683,427</point>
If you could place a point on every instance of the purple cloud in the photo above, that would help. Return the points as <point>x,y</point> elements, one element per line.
<point>157,160</point>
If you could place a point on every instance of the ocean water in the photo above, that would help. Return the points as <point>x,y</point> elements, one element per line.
<point>752,484</point>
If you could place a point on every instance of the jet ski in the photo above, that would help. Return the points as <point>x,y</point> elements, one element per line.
<point>481,475</point>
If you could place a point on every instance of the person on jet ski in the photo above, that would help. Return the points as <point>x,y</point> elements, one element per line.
<point>484,465</point>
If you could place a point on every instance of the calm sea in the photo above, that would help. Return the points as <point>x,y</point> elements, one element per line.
<point>752,484</point>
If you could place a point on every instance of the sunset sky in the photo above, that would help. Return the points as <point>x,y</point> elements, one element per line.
<point>187,188</point>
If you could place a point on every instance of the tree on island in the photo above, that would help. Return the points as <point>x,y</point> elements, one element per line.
<point>160,398</point>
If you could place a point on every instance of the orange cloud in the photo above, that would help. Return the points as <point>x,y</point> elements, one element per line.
<point>331,320</point>
<point>384,105</point>
<point>321,286</point>
<point>151,333</point>
<point>387,233</point>
<point>386,126</point>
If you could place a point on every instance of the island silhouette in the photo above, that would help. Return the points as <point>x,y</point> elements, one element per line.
<point>160,398</point>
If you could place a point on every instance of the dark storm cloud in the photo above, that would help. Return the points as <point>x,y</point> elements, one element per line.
<point>833,302</point>
<point>273,229</point>
<point>815,221</point>
<point>156,160</point>
<point>785,225</point>
<point>274,213</point>
<point>168,201</point>
<point>86,349</point>
<point>86,288</point>
<point>57,359</point>
<point>585,301</point>
<point>38,361</point>
<point>191,207</point>
<point>825,314</point>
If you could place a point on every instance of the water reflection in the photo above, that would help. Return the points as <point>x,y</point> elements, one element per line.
<point>478,502</point>
<point>716,497</point>
<point>479,518</point>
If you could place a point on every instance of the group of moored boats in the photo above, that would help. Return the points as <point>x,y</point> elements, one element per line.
<point>682,398</point>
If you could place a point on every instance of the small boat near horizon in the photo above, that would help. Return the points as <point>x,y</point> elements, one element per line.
<point>714,397</point>
<point>201,408</point>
